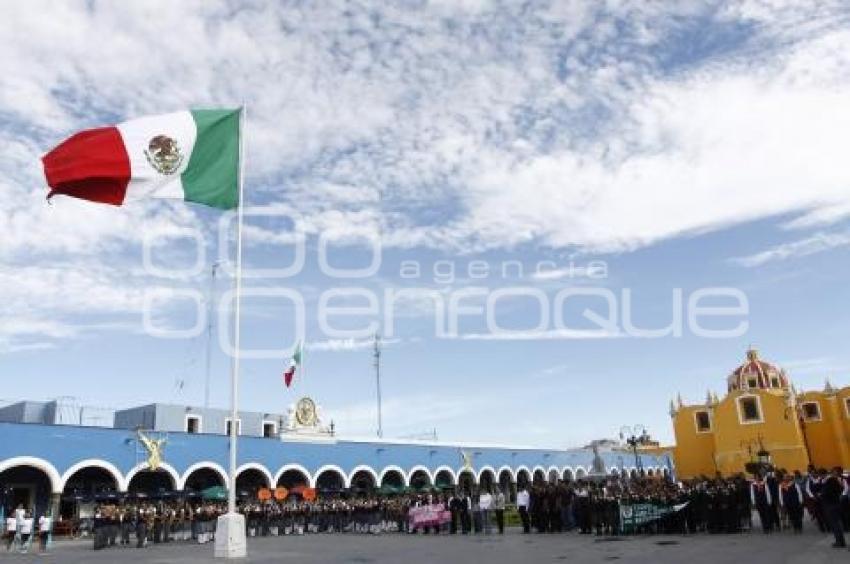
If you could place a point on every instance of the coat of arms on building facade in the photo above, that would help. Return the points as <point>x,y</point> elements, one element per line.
<point>304,418</point>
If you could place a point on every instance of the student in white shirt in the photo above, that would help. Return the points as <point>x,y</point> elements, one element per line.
<point>26,532</point>
<point>485,503</point>
<point>44,525</point>
<point>11,531</point>
<point>522,502</point>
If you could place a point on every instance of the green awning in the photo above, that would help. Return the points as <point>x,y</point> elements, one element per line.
<point>215,493</point>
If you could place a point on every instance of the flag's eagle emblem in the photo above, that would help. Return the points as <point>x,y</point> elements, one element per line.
<point>164,154</point>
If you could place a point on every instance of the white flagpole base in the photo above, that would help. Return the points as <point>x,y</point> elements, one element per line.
<point>230,536</point>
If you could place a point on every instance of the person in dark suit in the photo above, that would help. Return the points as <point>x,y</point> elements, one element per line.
<point>763,501</point>
<point>455,507</point>
<point>791,498</point>
<point>830,497</point>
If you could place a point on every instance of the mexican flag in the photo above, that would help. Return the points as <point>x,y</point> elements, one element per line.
<point>189,155</point>
<point>294,362</point>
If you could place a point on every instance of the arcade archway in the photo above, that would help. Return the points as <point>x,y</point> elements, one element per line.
<point>249,481</point>
<point>293,478</point>
<point>466,481</point>
<point>444,478</point>
<point>363,481</point>
<point>487,480</point>
<point>87,484</point>
<point>420,480</point>
<point>392,479</point>
<point>330,480</point>
<point>201,479</point>
<point>539,477</point>
<point>151,483</point>
<point>523,478</point>
<point>27,486</point>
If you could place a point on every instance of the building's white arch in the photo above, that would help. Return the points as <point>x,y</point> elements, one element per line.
<point>448,469</point>
<point>522,468</point>
<point>555,470</point>
<point>363,468</point>
<point>470,471</point>
<point>93,463</point>
<point>165,467</point>
<point>510,473</point>
<point>484,469</point>
<point>393,468</point>
<point>261,469</point>
<point>40,464</point>
<point>314,479</point>
<point>542,471</point>
<point>566,469</point>
<point>215,467</point>
<point>419,468</point>
<point>580,472</point>
<point>287,467</point>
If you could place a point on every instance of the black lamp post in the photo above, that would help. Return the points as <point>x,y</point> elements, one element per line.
<point>635,436</point>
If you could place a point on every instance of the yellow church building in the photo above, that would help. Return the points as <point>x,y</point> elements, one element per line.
<point>762,416</point>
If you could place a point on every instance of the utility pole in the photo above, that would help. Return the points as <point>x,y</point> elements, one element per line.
<point>377,355</point>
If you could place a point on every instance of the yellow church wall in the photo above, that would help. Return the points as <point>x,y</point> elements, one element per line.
<point>777,430</point>
<point>843,408</point>
<point>827,432</point>
<point>694,451</point>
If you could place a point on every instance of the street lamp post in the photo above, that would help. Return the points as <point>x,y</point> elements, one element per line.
<point>635,436</point>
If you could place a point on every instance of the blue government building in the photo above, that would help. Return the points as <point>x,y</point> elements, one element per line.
<point>48,465</point>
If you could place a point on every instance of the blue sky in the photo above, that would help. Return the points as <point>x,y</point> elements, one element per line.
<point>688,147</point>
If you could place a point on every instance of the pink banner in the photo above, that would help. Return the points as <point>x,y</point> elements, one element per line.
<point>429,515</point>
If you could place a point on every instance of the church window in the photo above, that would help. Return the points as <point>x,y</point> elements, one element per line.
<point>811,411</point>
<point>703,420</point>
<point>750,410</point>
<point>774,382</point>
<point>752,383</point>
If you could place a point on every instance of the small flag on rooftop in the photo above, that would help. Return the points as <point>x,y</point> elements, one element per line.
<point>294,363</point>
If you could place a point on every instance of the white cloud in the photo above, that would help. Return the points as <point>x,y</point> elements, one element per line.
<point>817,243</point>
<point>337,345</point>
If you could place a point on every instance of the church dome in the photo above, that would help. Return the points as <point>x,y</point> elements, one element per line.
<point>755,373</point>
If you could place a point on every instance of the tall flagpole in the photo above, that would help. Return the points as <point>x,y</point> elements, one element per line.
<point>234,375</point>
<point>230,528</point>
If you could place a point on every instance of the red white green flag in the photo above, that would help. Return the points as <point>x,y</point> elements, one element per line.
<point>294,363</point>
<point>191,155</point>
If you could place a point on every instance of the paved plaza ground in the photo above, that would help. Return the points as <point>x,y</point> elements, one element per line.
<point>513,547</point>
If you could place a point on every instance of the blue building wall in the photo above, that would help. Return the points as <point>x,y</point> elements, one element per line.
<point>59,451</point>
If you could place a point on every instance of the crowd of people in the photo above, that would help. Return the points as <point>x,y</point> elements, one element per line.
<point>612,506</point>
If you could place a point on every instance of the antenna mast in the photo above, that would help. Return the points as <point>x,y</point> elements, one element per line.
<point>377,355</point>
<point>210,302</point>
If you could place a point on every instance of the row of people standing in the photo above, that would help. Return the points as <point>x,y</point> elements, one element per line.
<point>22,530</point>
